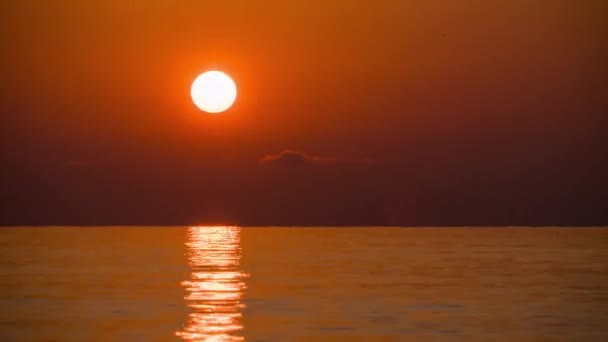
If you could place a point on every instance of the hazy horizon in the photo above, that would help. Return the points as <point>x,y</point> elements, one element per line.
<point>212,224</point>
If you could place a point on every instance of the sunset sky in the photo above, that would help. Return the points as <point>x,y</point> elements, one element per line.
<point>413,112</point>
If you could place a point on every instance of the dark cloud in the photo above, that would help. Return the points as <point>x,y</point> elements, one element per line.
<point>292,157</point>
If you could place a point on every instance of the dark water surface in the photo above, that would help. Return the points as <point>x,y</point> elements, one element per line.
<point>303,284</point>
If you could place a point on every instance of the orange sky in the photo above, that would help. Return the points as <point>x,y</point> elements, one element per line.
<point>437,82</point>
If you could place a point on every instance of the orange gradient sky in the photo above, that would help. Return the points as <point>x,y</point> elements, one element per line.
<point>482,100</point>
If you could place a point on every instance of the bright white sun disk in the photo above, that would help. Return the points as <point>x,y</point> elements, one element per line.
<point>213,91</point>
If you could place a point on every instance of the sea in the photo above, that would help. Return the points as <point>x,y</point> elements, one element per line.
<point>227,283</point>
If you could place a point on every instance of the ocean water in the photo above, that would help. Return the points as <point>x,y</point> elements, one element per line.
<point>303,284</point>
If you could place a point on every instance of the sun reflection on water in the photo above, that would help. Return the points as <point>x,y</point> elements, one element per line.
<point>216,285</point>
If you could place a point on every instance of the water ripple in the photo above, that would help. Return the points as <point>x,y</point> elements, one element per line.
<point>216,286</point>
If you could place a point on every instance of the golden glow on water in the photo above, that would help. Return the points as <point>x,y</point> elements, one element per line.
<point>216,285</point>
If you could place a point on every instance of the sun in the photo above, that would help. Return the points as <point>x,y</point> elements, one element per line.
<point>213,92</point>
